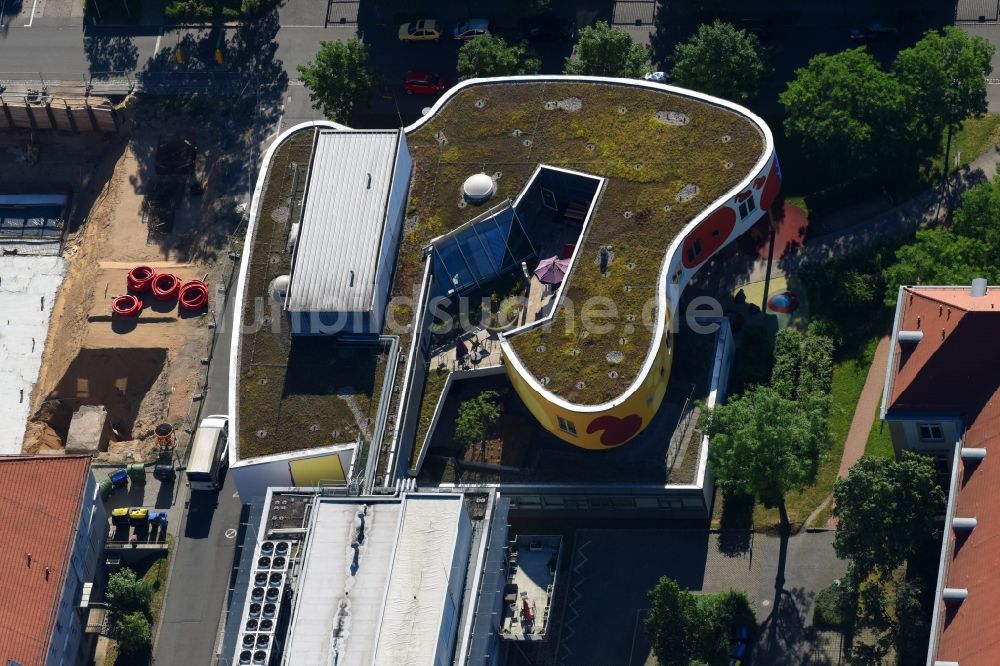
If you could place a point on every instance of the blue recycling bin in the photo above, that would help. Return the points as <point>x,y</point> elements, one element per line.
<point>119,478</point>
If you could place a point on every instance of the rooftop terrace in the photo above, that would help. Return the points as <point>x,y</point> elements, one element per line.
<point>667,158</point>
<point>304,392</point>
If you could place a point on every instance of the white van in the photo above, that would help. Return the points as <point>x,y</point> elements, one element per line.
<point>209,453</point>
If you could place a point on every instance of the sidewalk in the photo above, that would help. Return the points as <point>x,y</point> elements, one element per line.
<point>864,412</point>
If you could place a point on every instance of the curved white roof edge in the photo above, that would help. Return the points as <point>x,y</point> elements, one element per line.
<point>661,288</point>
<point>234,345</point>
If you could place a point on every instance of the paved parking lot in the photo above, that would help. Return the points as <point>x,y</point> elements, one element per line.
<point>612,570</point>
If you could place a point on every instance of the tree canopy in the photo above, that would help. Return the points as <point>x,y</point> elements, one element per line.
<point>886,510</point>
<point>475,415</point>
<point>340,80</point>
<point>127,594</point>
<point>765,445</point>
<point>685,629</point>
<point>944,82</point>
<point>132,633</point>
<point>857,119</point>
<point>677,627</point>
<point>490,55</point>
<point>720,60</point>
<point>602,50</point>
<point>846,112</point>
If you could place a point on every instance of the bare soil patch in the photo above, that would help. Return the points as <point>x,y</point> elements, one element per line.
<point>145,371</point>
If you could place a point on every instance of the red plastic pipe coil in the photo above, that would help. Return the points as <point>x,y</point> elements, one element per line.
<point>193,295</point>
<point>165,286</point>
<point>127,305</point>
<point>140,277</point>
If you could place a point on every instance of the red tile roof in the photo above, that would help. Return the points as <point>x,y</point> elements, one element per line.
<point>40,502</point>
<point>955,368</point>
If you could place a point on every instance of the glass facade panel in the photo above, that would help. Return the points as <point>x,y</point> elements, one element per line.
<point>482,251</point>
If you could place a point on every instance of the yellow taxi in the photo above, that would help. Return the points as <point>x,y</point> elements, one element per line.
<point>424,30</point>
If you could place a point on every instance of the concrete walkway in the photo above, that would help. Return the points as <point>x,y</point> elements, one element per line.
<point>864,412</point>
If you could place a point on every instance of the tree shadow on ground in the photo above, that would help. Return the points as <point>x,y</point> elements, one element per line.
<point>10,10</point>
<point>110,54</point>
<point>787,636</point>
<point>225,108</point>
<point>736,525</point>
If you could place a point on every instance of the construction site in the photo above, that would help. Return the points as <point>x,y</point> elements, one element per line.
<point>92,191</point>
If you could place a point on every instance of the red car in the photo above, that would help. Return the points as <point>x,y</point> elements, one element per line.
<point>420,82</point>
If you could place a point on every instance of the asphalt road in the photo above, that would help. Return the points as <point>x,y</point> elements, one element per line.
<point>203,553</point>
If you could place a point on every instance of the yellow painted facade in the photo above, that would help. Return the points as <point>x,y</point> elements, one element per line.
<point>600,430</point>
<point>622,421</point>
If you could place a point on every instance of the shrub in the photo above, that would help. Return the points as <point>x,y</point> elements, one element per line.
<point>726,612</point>
<point>133,634</point>
<point>787,359</point>
<point>816,371</point>
<point>833,608</point>
<point>474,415</point>
<point>190,10</point>
<point>253,7</point>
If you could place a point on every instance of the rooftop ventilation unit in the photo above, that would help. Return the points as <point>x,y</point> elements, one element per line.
<point>973,455</point>
<point>910,337</point>
<point>964,524</point>
<point>278,291</point>
<point>979,287</point>
<point>954,596</point>
<point>478,188</point>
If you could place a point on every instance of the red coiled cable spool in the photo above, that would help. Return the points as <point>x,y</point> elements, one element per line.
<point>140,277</point>
<point>165,286</point>
<point>127,305</point>
<point>193,295</point>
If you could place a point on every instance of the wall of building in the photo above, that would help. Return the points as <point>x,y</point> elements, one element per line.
<point>254,476</point>
<point>395,212</point>
<point>606,428</point>
<point>615,423</point>
<point>448,633</point>
<point>68,645</point>
<point>907,432</point>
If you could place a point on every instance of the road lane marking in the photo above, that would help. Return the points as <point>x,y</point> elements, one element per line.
<point>32,19</point>
<point>156,48</point>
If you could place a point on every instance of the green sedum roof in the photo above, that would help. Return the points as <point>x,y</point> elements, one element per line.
<point>631,136</point>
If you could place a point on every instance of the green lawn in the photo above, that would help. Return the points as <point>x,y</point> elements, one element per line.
<point>879,442</point>
<point>977,136</point>
<point>849,376</point>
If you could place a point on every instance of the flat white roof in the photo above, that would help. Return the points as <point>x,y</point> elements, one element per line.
<point>377,599</point>
<point>340,237</point>
<point>416,600</point>
<point>28,287</point>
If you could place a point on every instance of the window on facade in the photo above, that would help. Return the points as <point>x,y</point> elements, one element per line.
<point>567,426</point>
<point>930,432</point>
<point>747,207</point>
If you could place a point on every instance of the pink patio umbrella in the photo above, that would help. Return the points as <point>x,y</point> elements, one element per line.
<point>552,270</point>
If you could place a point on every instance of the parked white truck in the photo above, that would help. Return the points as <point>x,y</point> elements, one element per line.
<point>209,453</point>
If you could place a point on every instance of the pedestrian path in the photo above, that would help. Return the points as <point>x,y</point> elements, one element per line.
<point>864,412</point>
